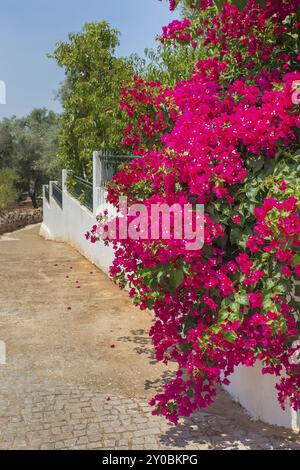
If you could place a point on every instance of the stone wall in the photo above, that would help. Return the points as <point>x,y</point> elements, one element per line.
<point>17,219</point>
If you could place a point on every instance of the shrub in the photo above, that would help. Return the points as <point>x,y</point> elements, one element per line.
<point>226,137</point>
<point>8,192</point>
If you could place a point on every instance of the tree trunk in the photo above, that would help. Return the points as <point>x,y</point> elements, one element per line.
<point>33,199</point>
<point>32,194</point>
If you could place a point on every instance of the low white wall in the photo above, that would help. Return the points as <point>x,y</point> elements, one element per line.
<point>53,222</point>
<point>254,391</point>
<point>70,223</point>
<point>257,394</point>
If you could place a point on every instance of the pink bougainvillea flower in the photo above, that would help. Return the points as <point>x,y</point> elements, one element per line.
<point>256,300</point>
<point>223,136</point>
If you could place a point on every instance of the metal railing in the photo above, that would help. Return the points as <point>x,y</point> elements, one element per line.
<point>57,194</point>
<point>81,189</point>
<point>47,195</point>
<point>110,165</point>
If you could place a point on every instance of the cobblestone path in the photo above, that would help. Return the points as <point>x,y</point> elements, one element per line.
<point>80,369</point>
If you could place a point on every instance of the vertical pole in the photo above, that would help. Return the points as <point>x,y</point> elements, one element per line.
<point>64,177</point>
<point>97,178</point>
<point>64,189</point>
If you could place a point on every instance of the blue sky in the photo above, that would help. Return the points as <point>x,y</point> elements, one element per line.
<point>29,29</point>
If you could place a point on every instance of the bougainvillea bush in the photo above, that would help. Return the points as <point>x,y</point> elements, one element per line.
<point>228,138</point>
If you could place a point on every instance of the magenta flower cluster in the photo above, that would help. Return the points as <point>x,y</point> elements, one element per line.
<point>219,138</point>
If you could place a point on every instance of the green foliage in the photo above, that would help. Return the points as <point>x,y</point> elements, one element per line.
<point>90,95</point>
<point>194,5</point>
<point>6,142</point>
<point>29,146</point>
<point>91,119</point>
<point>36,139</point>
<point>169,65</point>
<point>8,191</point>
<point>242,3</point>
<point>164,275</point>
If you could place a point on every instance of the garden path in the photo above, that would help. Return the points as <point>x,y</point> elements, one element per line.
<point>80,368</point>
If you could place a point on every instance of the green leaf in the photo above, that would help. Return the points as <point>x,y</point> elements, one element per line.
<point>176,278</point>
<point>258,164</point>
<point>235,307</point>
<point>240,3</point>
<point>215,329</point>
<point>268,304</point>
<point>252,193</point>
<point>270,284</point>
<point>269,166</point>
<point>296,259</point>
<point>242,298</point>
<point>230,336</point>
<point>262,2</point>
<point>297,132</point>
<point>235,317</point>
<point>235,235</point>
<point>220,4</point>
<point>223,315</point>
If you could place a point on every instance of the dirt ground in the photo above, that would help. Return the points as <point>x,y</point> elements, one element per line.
<point>69,320</point>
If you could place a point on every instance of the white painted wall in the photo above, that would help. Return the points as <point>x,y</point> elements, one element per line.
<point>53,223</point>
<point>254,391</point>
<point>257,394</point>
<point>70,223</point>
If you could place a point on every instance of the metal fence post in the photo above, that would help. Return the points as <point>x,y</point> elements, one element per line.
<point>97,176</point>
<point>64,177</point>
